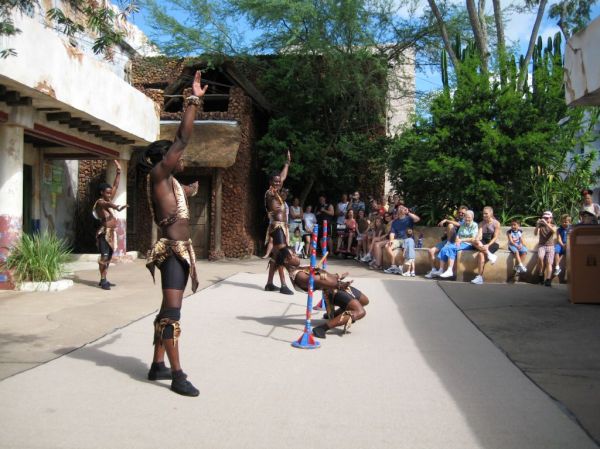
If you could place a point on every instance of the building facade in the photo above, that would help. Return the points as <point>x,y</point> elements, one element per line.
<point>61,104</point>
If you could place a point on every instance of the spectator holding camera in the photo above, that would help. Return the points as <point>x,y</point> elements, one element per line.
<point>356,204</point>
<point>546,231</point>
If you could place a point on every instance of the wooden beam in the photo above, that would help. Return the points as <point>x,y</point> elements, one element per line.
<point>85,125</point>
<point>75,122</point>
<point>60,117</point>
<point>48,109</point>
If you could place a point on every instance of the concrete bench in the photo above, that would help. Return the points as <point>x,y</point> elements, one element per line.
<point>466,261</point>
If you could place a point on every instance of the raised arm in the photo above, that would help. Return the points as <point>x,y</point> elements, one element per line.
<point>115,185</point>
<point>284,171</point>
<point>184,133</point>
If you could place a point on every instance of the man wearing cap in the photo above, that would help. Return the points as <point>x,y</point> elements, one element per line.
<point>546,231</point>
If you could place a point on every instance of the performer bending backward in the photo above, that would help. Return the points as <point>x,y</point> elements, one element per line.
<point>173,253</point>
<point>106,235</point>
<point>349,300</point>
<point>278,226</point>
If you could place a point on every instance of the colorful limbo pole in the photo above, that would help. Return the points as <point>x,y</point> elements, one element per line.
<point>322,305</point>
<point>307,340</point>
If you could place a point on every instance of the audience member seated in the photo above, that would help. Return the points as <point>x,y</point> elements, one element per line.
<point>376,230</point>
<point>465,237</point>
<point>362,226</point>
<point>486,243</point>
<point>376,249</point>
<point>450,224</point>
<point>404,220</point>
<point>347,238</point>
<point>516,246</point>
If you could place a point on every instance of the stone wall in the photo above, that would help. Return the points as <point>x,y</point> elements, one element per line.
<point>240,214</point>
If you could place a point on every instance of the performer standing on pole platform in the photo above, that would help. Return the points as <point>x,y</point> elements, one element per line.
<point>350,300</point>
<point>278,225</point>
<point>106,235</point>
<point>173,253</point>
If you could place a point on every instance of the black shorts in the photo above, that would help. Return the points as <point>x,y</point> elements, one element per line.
<point>174,273</point>
<point>106,252</point>
<point>278,236</point>
<point>342,298</point>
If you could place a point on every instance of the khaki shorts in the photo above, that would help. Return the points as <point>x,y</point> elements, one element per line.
<point>397,244</point>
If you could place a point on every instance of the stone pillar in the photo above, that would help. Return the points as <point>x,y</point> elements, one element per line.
<point>11,193</point>
<point>218,253</point>
<point>120,197</point>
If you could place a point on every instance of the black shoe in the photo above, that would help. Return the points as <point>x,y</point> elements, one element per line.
<point>109,283</point>
<point>104,285</point>
<point>541,280</point>
<point>271,288</point>
<point>182,386</point>
<point>158,371</point>
<point>285,290</point>
<point>548,282</point>
<point>325,316</point>
<point>320,331</point>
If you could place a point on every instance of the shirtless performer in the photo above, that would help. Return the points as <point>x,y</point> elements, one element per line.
<point>278,226</point>
<point>106,235</point>
<point>349,300</point>
<point>173,253</point>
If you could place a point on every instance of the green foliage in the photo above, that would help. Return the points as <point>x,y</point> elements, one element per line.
<point>487,144</point>
<point>38,258</point>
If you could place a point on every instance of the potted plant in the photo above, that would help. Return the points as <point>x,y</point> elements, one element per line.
<point>38,262</point>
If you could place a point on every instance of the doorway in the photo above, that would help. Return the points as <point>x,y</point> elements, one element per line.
<point>199,206</point>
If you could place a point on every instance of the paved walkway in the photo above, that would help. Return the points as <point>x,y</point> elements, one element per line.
<point>416,373</point>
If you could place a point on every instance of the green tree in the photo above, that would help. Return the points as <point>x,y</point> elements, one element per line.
<point>489,144</point>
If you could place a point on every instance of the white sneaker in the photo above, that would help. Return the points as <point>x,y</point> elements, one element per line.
<point>367,258</point>
<point>447,274</point>
<point>492,258</point>
<point>478,280</point>
<point>522,269</point>
<point>392,269</point>
<point>557,271</point>
<point>432,273</point>
<point>412,274</point>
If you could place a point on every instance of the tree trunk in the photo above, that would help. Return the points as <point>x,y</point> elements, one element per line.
<point>444,33</point>
<point>480,36</point>
<point>305,191</point>
<point>524,69</point>
<point>501,41</point>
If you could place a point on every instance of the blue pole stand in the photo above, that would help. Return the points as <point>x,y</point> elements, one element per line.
<point>307,340</point>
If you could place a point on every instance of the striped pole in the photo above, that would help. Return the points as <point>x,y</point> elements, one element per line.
<point>307,340</point>
<point>324,250</point>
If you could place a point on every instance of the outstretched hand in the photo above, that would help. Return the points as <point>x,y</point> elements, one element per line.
<point>117,164</point>
<point>197,88</point>
<point>289,157</point>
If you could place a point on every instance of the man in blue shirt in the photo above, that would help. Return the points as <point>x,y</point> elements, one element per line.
<point>404,220</point>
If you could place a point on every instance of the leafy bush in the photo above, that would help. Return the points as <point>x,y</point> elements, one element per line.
<point>38,258</point>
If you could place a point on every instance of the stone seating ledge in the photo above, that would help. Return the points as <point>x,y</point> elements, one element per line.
<point>466,262</point>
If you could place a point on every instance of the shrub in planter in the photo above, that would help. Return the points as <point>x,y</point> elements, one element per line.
<point>38,258</point>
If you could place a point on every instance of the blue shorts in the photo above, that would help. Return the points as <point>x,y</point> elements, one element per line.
<point>559,250</point>
<point>514,249</point>
<point>440,245</point>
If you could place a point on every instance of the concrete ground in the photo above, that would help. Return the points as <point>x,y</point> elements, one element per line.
<point>415,373</point>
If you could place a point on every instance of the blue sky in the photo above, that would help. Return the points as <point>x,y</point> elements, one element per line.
<point>517,30</point>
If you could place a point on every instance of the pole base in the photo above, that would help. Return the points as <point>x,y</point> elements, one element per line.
<point>306,341</point>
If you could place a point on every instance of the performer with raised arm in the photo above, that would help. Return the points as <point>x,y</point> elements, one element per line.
<point>278,225</point>
<point>173,254</point>
<point>349,300</point>
<point>106,235</point>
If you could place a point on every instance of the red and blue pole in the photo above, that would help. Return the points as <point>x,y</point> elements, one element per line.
<point>307,340</point>
<point>322,305</point>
